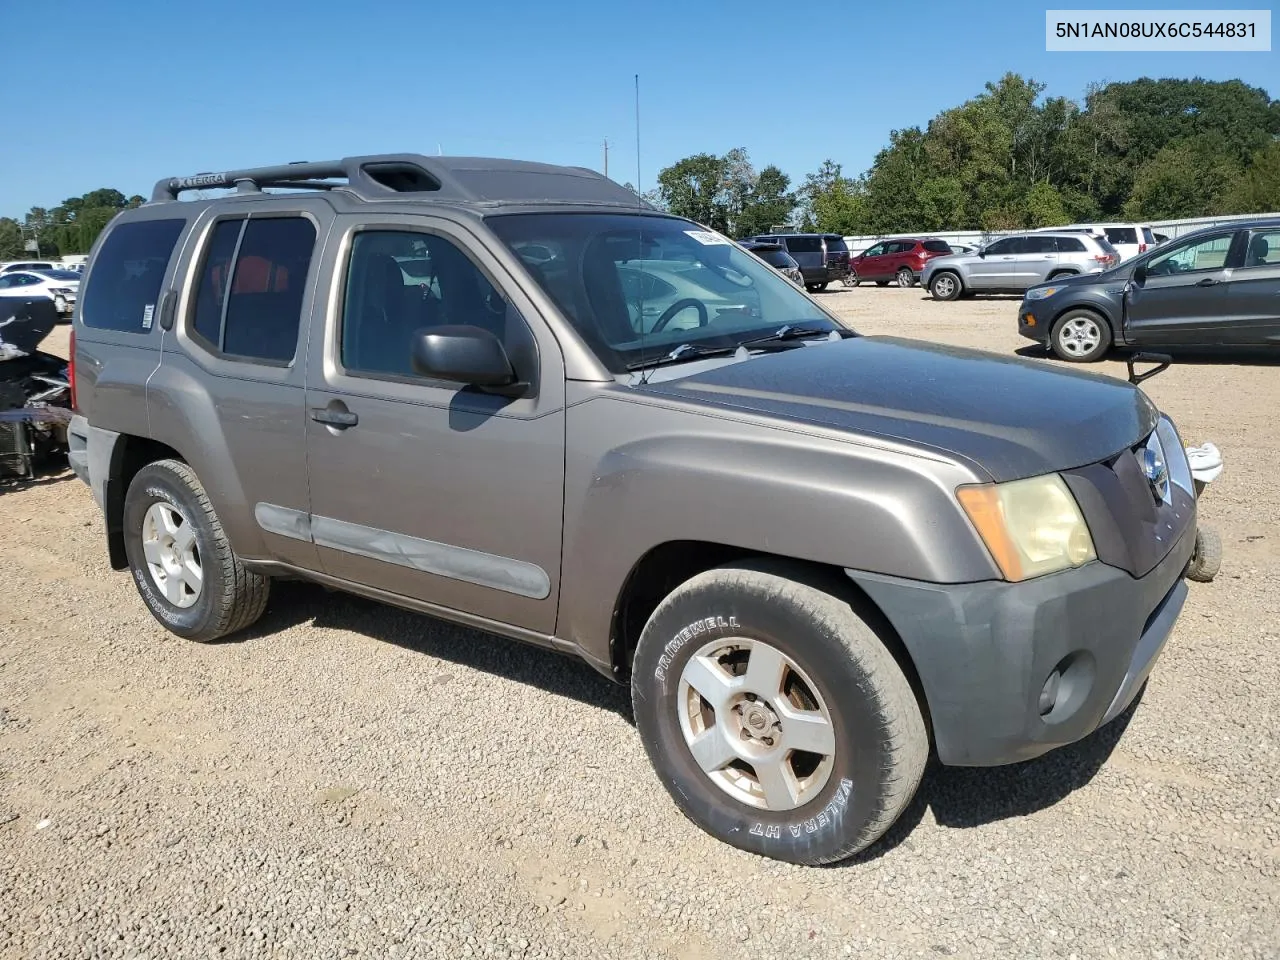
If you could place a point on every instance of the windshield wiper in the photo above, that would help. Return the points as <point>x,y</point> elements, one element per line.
<point>686,351</point>
<point>789,332</point>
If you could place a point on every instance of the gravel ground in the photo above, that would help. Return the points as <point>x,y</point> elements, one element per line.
<point>348,779</point>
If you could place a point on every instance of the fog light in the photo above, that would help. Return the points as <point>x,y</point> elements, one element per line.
<point>1049,695</point>
<point>1029,320</point>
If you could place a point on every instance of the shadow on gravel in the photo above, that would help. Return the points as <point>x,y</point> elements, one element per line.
<point>963,797</point>
<point>41,479</point>
<point>1238,356</point>
<point>295,602</point>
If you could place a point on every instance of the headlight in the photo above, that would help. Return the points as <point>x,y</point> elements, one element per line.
<point>1040,293</point>
<point>1032,527</point>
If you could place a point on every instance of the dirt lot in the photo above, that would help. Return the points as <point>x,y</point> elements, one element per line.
<point>350,779</point>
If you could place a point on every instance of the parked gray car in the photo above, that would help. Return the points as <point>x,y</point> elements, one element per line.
<point>816,557</point>
<point>1011,264</point>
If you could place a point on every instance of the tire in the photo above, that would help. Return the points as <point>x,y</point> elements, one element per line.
<point>164,499</point>
<point>906,278</point>
<point>1206,561</point>
<point>1080,336</point>
<point>1058,275</point>
<point>945,285</point>
<point>831,808</point>
<point>811,287</point>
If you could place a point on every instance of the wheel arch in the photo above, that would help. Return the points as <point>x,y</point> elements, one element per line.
<point>667,566</point>
<point>129,455</point>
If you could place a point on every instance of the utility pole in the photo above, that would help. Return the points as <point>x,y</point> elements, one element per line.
<point>606,156</point>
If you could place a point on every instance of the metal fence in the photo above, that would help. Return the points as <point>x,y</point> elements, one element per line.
<point>1170,228</point>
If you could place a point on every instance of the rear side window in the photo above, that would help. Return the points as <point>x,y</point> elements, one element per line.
<point>1069,244</point>
<point>1039,245</point>
<point>249,297</point>
<point>804,244</point>
<point>124,284</point>
<point>1122,235</point>
<point>937,246</point>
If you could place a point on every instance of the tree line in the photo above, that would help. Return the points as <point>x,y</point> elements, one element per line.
<point>70,227</point>
<point>1011,159</point>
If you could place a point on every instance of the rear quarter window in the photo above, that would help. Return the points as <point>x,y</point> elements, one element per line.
<point>804,244</point>
<point>124,284</point>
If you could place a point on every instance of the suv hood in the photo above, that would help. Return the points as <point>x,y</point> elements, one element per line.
<point>1008,417</point>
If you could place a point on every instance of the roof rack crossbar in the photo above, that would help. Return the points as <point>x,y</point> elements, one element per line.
<point>369,176</point>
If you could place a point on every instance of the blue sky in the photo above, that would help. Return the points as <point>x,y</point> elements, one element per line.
<point>135,90</point>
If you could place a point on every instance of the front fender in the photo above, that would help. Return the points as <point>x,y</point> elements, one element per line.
<point>744,483</point>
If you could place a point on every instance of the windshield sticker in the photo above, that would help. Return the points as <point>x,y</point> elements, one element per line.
<point>707,237</point>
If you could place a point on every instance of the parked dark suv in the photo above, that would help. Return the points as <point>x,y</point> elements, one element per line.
<point>776,256</point>
<point>823,257</point>
<point>1217,287</point>
<point>508,395</point>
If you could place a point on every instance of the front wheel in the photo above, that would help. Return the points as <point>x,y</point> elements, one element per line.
<point>180,558</point>
<point>774,715</point>
<point>945,286</point>
<point>1080,336</point>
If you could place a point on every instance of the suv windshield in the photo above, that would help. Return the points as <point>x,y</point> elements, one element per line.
<point>637,286</point>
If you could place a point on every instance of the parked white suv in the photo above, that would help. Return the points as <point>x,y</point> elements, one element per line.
<point>1129,239</point>
<point>60,286</point>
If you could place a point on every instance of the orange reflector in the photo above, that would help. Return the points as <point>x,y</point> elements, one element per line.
<point>1029,320</point>
<point>982,504</point>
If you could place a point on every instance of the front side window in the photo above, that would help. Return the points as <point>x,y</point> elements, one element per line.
<point>249,297</point>
<point>874,251</point>
<point>124,284</point>
<point>636,287</point>
<point>1209,253</point>
<point>400,283</point>
<point>1006,246</point>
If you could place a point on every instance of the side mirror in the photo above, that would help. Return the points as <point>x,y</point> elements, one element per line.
<point>1139,273</point>
<point>465,354</point>
<point>981,252</point>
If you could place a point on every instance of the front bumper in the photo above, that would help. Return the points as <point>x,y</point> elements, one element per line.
<point>1034,320</point>
<point>984,651</point>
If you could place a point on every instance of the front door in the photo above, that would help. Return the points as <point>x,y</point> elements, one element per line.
<point>995,270</point>
<point>1183,297</point>
<point>425,488</point>
<point>870,265</point>
<point>1253,292</point>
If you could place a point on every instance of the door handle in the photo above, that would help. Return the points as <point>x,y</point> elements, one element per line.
<point>334,418</point>
<point>1207,282</point>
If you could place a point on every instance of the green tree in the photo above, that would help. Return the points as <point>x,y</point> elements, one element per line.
<point>769,203</point>
<point>693,188</point>
<point>10,239</point>
<point>1189,178</point>
<point>1257,189</point>
<point>833,203</point>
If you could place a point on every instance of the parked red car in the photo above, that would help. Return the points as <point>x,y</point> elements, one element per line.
<point>901,260</point>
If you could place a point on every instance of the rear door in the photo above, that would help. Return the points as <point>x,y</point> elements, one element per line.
<point>229,389</point>
<point>808,252</point>
<point>1253,292</point>
<point>1183,297</point>
<point>1038,259</point>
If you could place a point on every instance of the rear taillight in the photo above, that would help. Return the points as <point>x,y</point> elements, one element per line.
<point>71,370</point>
<point>1142,248</point>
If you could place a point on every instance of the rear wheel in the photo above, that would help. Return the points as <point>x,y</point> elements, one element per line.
<point>906,278</point>
<point>180,558</point>
<point>776,718</point>
<point>1206,561</point>
<point>1080,336</point>
<point>945,286</point>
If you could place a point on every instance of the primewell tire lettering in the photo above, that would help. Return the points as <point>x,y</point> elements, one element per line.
<point>695,629</point>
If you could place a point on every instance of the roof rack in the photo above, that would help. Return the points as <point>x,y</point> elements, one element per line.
<point>477,180</point>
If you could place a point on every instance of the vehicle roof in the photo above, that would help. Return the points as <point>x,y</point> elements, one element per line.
<point>482,183</point>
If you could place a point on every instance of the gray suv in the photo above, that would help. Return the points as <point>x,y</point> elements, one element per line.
<point>1012,264</point>
<point>513,396</point>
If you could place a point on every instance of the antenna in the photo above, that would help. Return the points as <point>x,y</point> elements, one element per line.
<point>606,156</point>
